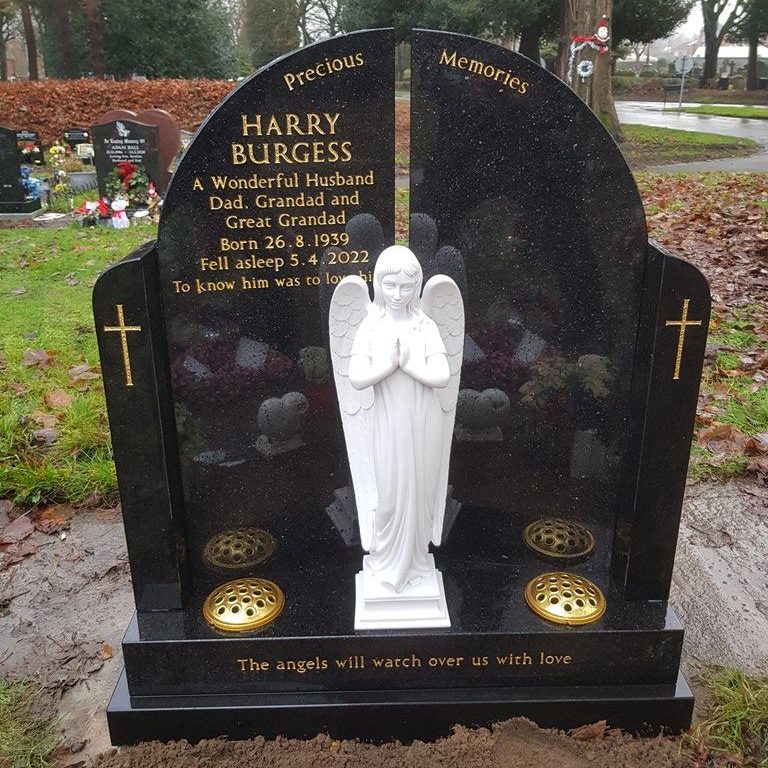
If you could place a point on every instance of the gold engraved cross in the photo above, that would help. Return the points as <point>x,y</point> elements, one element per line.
<point>683,322</point>
<point>123,330</point>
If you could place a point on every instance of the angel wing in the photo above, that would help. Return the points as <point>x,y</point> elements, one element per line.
<point>442,302</point>
<point>349,307</point>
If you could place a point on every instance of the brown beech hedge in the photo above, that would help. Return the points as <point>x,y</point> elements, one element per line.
<point>51,106</point>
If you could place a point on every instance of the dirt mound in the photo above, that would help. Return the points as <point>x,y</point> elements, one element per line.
<point>514,744</point>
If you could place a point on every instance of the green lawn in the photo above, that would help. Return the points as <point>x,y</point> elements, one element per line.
<point>753,113</point>
<point>646,146</point>
<point>54,439</point>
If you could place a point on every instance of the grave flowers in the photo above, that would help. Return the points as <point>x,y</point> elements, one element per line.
<point>30,153</point>
<point>129,179</point>
<point>33,188</point>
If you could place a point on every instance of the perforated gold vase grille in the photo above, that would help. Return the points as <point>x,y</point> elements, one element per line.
<point>554,538</point>
<point>565,598</point>
<point>239,548</point>
<point>243,604</point>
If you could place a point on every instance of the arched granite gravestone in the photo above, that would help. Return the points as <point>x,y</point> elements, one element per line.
<point>582,356</point>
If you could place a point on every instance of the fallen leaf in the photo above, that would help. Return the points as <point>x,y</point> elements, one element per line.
<point>58,398</point>
<point>716,431</point>
<point>47,435</point>
<point>14,532</point>
<point>106,651</point>
<point>83,372</point>
<point>590,732</point>
<point>15,553</point>
<point>53,518</point>
<point>38,357</point>
<point>46,420</point>
<point>755,447</point>
<point>6,507</point>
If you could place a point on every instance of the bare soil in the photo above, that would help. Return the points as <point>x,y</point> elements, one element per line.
<point>514,744</point>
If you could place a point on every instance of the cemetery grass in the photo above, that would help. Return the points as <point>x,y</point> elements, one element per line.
<point>27,734</point>
<point>734,729</point>
<point>54,437</point>
<point>645,146</point>
<point>752,112</point>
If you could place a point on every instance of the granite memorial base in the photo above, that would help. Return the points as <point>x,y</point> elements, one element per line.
<point>380,716</point>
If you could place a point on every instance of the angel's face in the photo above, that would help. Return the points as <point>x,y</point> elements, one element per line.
<point>398,290</point>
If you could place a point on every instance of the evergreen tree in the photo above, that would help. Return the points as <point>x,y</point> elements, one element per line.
<point>643,21</point>
<point>270,29</point>
<point>175,38</point>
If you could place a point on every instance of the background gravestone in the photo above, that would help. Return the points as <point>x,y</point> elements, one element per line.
<point>11,190</point>
<point>75,136</point>
<point>124,140</point>
<point>30,146</point>
<point>575,403</point>
<point>168,137</point>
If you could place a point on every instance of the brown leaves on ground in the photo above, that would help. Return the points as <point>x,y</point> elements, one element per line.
<point>592,731</point>
<point>719,223</point>
<point>36,357</point>
<point>53,518</point>
<point>58,399</point>
<point>725,440</point>
<point>14,543</point>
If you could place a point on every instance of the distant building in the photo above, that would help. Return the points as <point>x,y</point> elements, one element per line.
<point>737,54</point>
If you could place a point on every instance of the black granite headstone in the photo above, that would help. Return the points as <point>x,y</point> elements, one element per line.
<point>214,340</point>
<point>30,146</point>
<point>12,195</point>
<point>120,141</point>
<point>75,136</point>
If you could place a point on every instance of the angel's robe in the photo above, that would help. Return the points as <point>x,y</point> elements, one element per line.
<point>408,443</point>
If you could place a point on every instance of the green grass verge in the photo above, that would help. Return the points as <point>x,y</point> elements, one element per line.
<point>46,279</point>
<point>736,722</point>
<point>752,113</point>
<point>736,398</point>
<point>646,145</point>
<point>27,739</point>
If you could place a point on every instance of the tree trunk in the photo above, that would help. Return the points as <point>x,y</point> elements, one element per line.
<point>29,39</point>
<point>529,41</point>
<point>711,51</point>
<point>564,45</point>
<point>753,41</point>
<point>65,38</point>
<point>3,59</point>
<point>582,17</point>
<point>95,44</point>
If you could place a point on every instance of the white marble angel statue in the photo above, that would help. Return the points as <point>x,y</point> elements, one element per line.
<point>397,362</point>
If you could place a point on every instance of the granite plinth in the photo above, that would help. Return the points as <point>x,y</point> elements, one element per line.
<point>380,716</point>
<point>23,207</point>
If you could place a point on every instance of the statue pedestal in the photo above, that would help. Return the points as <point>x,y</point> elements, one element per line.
<point>378,606</point>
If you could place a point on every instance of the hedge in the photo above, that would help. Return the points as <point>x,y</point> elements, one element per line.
<point>51,106</point>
